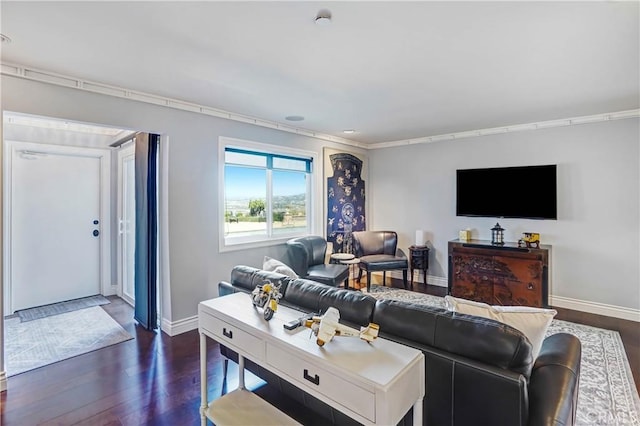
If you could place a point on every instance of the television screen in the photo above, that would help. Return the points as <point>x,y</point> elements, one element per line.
<point>527,192</point>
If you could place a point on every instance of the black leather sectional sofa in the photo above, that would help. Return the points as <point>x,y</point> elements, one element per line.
<point>478,371</point>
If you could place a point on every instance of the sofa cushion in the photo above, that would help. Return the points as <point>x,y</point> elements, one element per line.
<point>355,307</point>
<point>532,322</point>
<point>381,262</point>
<point>481,339</point>
<point>304,294</point>
<point>329,274</point>
<point>274,265</point>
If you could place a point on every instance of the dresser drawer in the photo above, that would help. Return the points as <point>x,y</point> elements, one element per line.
<point>306,375</point>
<point>227,334</point>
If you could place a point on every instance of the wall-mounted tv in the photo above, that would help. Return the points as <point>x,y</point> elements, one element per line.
<point>527,192</point>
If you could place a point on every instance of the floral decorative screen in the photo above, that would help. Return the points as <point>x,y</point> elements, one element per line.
<point>345,201</point>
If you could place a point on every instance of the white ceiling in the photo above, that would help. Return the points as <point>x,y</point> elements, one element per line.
<point>389,70</point>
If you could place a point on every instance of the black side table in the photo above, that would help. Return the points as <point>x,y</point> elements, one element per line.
<point>419,259</point>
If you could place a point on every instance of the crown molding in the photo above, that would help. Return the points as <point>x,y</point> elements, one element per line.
<point>30,73</point>
<point>597,118</point>
<point>42,76</point>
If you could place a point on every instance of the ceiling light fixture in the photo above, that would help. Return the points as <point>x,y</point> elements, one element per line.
<point>323,17</point>
<point>5,39</point>
<point>294,118</point>
<point>348,131</point>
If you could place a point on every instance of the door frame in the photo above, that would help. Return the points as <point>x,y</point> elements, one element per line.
<point>104,155</point>
<point>125,150</point>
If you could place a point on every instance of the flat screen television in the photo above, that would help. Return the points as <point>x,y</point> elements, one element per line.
<point>527,192</point>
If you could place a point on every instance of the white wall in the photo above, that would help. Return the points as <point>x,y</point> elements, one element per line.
<point>595,254</point>
<point>595,242</point>
<point>196,265</point>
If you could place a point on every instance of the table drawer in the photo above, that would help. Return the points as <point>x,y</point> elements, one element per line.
<point>225,333</point>
<point>307,375</point>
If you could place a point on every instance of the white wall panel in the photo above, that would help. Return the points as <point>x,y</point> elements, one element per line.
<point>596,239</point>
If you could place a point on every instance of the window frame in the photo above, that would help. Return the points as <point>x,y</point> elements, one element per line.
<point>315,191</point>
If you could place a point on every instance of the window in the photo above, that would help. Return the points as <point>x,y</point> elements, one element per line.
<point>266,193</point>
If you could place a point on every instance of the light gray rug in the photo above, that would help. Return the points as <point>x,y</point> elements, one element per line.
<point>61,307</point>
<point>40,342</point>
<point>607,394</point>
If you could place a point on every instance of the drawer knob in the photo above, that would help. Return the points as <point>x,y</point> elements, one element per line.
<point>530,286</point>
<point>315,379</point>
<point>228,334</point>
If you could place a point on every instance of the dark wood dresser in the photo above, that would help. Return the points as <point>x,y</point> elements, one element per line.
<point>499,275</point>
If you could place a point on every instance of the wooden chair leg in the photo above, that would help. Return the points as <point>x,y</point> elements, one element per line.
<point>359,274</point>
<point>368,280</point>
<point>404,279</point>
<point>384,278</point>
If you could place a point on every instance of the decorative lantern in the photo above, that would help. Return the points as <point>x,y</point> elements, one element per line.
<point>497,235</point>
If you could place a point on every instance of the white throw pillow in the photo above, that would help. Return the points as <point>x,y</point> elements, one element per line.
<point>532,322</point>
<point>273,265</point>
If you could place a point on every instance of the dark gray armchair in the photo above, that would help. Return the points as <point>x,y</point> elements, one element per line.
<point>307,259</point>
<point>377,251</point>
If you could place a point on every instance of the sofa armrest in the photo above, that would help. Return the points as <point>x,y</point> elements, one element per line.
<point>224,288</point>
<point>400,253</point>
<point>553,390</point>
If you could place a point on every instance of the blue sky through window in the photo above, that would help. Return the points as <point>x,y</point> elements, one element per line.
<point>247,182</point>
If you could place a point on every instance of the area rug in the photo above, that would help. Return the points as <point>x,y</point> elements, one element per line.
<point>607,394</point>
<point>61,307</point>
<point>40,342</point>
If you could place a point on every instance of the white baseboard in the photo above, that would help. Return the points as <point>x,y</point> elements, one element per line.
<point>173,328</point>
<point>417,278</point>
<point>112,290</point>
<point>3,381</point>
<point>595,308</point>
<point>439,281</point>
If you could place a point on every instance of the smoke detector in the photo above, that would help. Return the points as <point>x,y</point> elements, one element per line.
<point>323,17</point>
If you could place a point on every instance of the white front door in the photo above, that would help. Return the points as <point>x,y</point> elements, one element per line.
<point>126,222</point>
<point>55,222</point>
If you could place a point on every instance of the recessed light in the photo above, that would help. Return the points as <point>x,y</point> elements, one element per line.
<point>5,39</point>
<point>348,131</point>
<point>294,118</point>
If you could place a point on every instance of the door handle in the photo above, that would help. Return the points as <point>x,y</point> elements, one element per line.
<point>96,232</point>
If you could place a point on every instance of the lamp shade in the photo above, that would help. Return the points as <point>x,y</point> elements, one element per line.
<point>419,237</point>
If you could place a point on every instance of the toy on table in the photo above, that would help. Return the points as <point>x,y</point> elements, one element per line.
<point>325,327</point>
<point>266,296</point>
<point>529,239</point>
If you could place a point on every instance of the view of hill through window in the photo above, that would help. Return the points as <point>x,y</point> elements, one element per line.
<point>246,201</point>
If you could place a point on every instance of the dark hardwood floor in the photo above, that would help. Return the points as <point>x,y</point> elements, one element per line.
<point>154,379</point>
